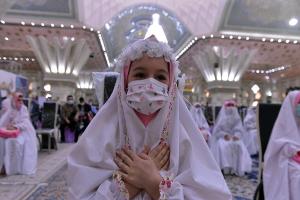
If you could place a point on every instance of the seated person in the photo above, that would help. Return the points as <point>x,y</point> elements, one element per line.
<point>200,120</point>
<point>281,174</point>
<point>18,154</point>
<point>250,138</point>
<point>226,141</point>
<point>143,144</point>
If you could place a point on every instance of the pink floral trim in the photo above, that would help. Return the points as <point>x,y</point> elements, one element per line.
<point>121,191</point>
<point>165,187</point>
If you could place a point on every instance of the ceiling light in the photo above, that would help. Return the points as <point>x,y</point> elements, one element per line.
<point>287,41</point>
<point>32,24</point>
<point>6,38</point>
<point>32,59</point>
<point>247,38</point>
<point>72,38</point>
<point>16,58</point>
<point>279,40</point>
<point>231,37</point>
<point>239,37</point>
<point>263,39</point>
<point>98,32</point>
<point>91,29</point>
<point>4,58</point>
<point>47,87</point>
<point>84,27</point>
<point>222,36</point>
<point>255,88</point>
<point>21,58</point>
<point>269,93</point>
<point>27,59</point>
<point>293,21</point>
<point>267,77</point>
<point>211,35</point>
<point>52,25</point>
<point>271,40</point>
<point>295,41</point>
<point>23,23</point>
<point>72,26</point>
<point>42,24</point>
<point>203,37</point>
<point>2,22</point>
<point>10,58</point>
<point>156,29</point>
<point>62,25</point>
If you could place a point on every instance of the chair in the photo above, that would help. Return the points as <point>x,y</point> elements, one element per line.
<point>49,129</point>
<point>266,116</point>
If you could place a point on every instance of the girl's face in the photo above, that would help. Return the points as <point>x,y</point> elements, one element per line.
<point>148,67</point>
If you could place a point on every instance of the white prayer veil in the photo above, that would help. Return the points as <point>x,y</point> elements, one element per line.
<point>199,117</point>
<point>196,174</point>
<point>228,123</point>
<point>283,144</point>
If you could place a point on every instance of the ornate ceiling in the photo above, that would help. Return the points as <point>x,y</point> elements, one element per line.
<point>259,20</point>
<point>17,46</point>
<point>268,56</point>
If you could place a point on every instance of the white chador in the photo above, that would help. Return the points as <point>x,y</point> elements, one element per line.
<point>250,138</point>
<point>18,155</point>
<point>200,120</point>
<point>227,144</point>
<point>90,165</point>
<point>281,174</point>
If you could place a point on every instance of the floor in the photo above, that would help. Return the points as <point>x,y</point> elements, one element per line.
<point>49,183</point>
<point>20,187</point>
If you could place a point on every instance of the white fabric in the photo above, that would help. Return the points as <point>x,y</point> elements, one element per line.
<point>147,96</point>
<point>250,138</point>
<point>230,154</point>
<point>19,154</point>
<point>281,175</point>
<point>200,120</point>
<point>91,164</point>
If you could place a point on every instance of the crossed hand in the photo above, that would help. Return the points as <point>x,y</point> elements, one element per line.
<point>141,171</point>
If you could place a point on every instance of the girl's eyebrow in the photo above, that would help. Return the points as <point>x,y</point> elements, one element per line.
<point>138,68</point>
<point>162,71</point>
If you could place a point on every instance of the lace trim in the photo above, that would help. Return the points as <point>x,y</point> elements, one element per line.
<point>165,187</point>
<point>121,193</point>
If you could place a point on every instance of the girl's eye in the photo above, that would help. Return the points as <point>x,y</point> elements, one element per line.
<point>161,77</point>
<point>139,75</point>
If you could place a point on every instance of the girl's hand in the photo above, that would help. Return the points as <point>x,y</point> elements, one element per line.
<point>133,191</point>
<point>160,155</point>
<point>138,170</point>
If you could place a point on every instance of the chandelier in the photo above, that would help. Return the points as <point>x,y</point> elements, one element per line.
<point>223,64</point>
<point>66,56</point>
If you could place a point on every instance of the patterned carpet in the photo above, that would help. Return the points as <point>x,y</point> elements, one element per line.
<point>242,188</point>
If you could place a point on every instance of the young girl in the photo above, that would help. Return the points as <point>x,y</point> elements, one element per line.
<point>142,144</point>
<point>281,174</point>
<point>227,143</point>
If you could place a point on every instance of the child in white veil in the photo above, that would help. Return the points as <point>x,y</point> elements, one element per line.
<point>142,144</point>
<point>281,174</point>
<point>227,143</point>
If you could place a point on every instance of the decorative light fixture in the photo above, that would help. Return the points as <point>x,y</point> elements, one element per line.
<point>218,69</point>
<point>293,21</point>
<point>47,87</point>
<point>70,63</point>
<point>23,23</point>
<point>255,88</point>
<point>6,38</point>
<point>156,29</point>
<point>269,93</point>
<point>85,81</point>
<point>2,22</point>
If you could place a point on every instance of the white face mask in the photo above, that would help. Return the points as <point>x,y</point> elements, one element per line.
<point>70,102</point>
<point>147,96</point>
